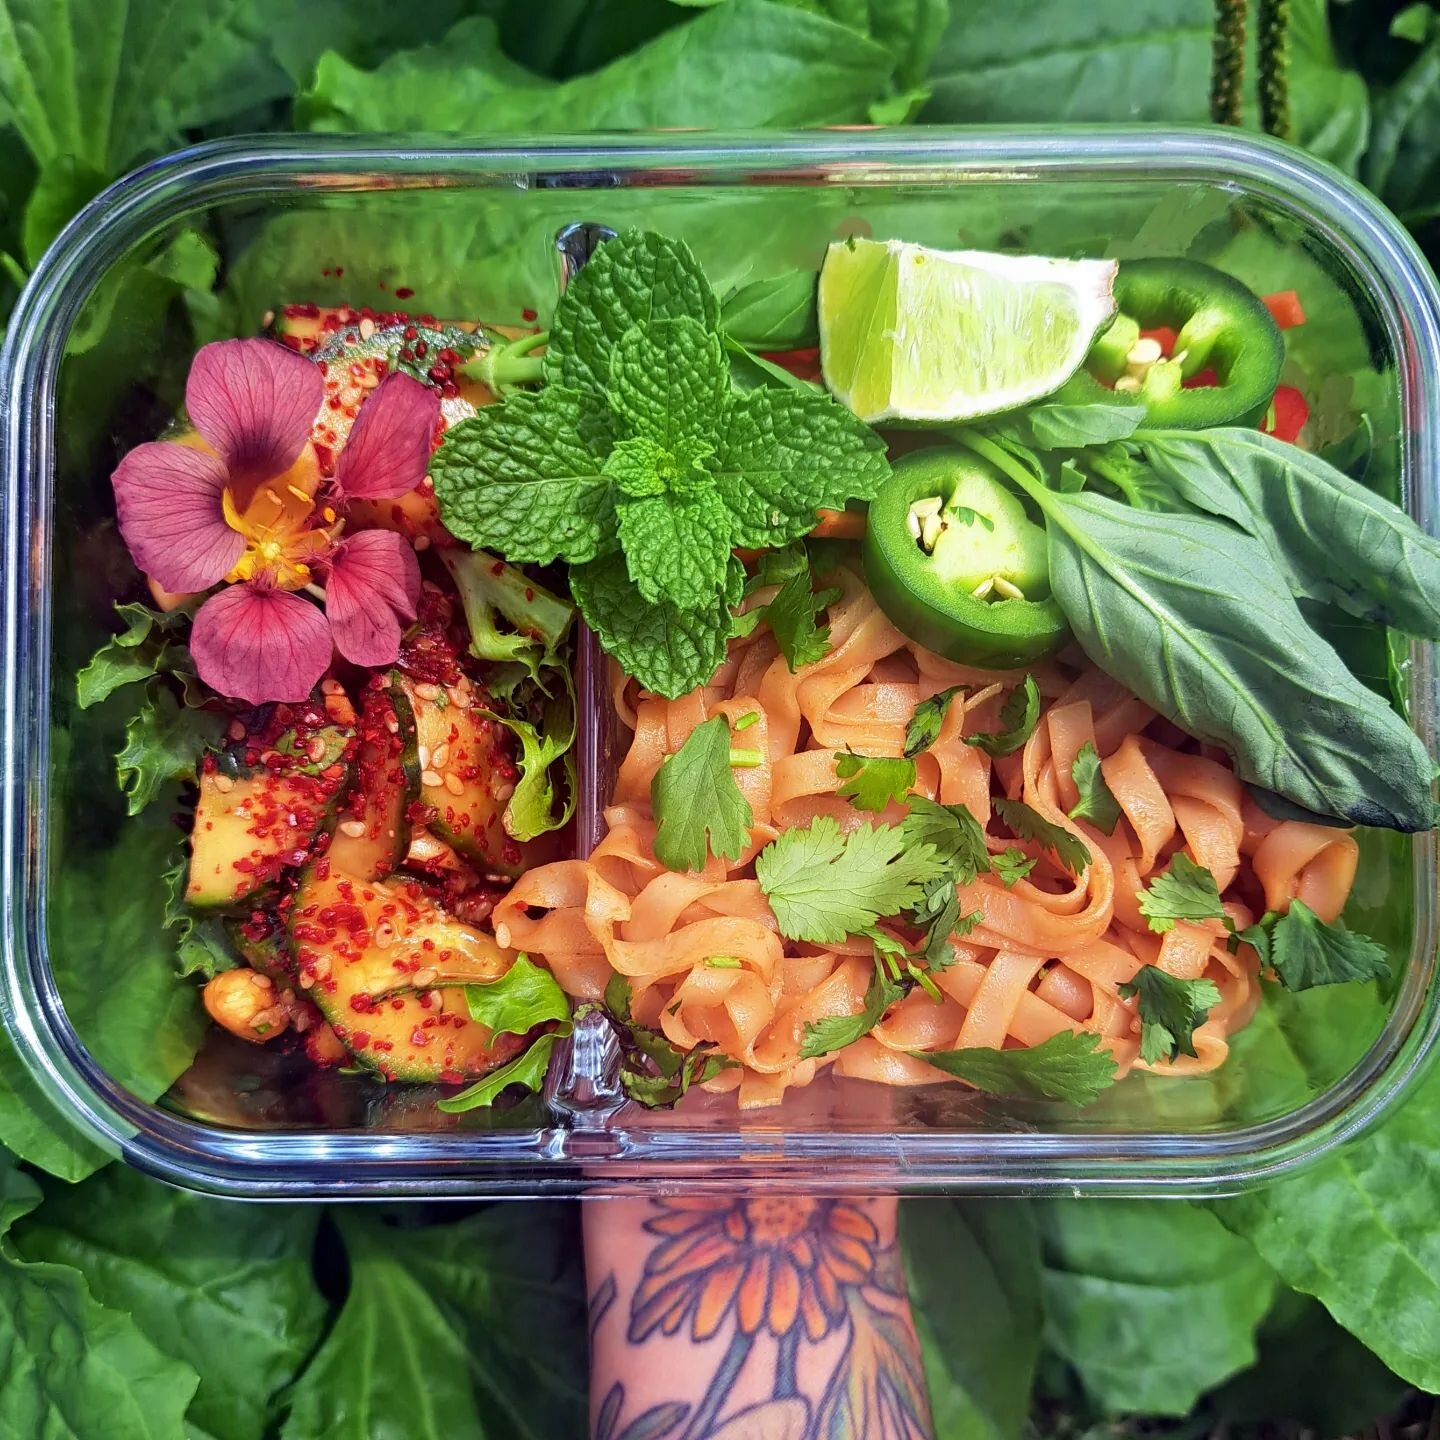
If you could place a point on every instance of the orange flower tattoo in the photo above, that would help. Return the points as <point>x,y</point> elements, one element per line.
<point>768,1261</point>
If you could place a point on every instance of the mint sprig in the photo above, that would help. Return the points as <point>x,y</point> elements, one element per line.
<point>641,465</point>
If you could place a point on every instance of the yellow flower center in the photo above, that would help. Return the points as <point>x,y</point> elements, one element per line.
<point>280,539</point>
<point>777,1220</point>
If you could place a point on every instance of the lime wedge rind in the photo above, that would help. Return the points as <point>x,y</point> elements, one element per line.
<point>911,333</point>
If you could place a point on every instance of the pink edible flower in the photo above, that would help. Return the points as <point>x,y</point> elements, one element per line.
<point>242,500</point>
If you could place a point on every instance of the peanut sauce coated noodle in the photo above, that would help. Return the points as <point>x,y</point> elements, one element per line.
<point>1048,953</point>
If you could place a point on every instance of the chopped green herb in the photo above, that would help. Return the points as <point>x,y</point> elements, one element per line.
<point>724,962</point>
<point>924,728</point>
<point>695,798</point>
<point>1011,865</point>
<point>1097,802</point>
<point>1170,1009</point>
<point>954,833</point>
<point>1071,1066</point>
<point>1305,951</point>
<point>746,721</point>
<point>872,781</point>
<point>1029,824</point>
<point>1018,717</point>
<point>1185,891</point>
<point>823,1036</point>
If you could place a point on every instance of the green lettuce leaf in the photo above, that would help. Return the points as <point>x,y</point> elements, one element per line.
<point>1152,1304</point>
<point>226,1289</point>
<point>473,1327</point>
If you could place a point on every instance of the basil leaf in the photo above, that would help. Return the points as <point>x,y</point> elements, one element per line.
<point>774,314</point>
<point>1071,427</point>
<point>1331,538</point>
<point>1190,615</point>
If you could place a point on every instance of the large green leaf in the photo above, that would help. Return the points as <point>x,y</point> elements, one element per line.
<point>31,1128</point>
<point>1152,1304</point>
<point>750,62</point>
<point>71,1368</point>
<point>974,1273</point>
<point>473,1328</point>
<point>226,1288</point>
<point>1357,1230</point>
<point>1402,164</point>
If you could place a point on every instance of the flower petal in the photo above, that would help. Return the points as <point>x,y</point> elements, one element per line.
<point>388,451</point>
<point>254,402</point>
<point>168,501</point>
<point>374,582</point>
<point>257,645</point>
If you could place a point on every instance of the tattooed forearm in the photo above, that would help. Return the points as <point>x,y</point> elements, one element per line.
<point>770,1318</point>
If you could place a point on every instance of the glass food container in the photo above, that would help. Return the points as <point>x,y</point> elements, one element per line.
<point>470,230</point>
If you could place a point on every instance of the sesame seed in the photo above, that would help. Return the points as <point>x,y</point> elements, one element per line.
<point>423,755</point>
<point>453,783</point>
<point>316,749</point>
<point>320,967</point>
<point>392,724</point>
<point>427,976</point>
<point>367,329</point>
<point>353,828</point>
<point>426,691</point>
<point>306,981</point>
<point>331,686</point>
<point>503,792</point>
<point>429,777</point>
<point>441,755</point>
<point>224,784</point>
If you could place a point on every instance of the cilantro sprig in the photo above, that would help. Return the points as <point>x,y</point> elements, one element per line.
<point>1305,951</point>
<point>1097,802</point>
<point>696,801</point>
<point>1071,1066</point>
<point>1018,718</point>
<point>643,467</point>
<point>1170,1009</point>
<point>1185,891</point>
<point>873,781</point>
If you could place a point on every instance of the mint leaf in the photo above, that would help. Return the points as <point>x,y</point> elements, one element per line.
<point>1097,802</point>
<point>838,1031</point>
<point>1011,865</point>
<point>677,547</point>
<point>953,833</point>
<point>144,648</point>
<point>668,650</point>
<point>1186,891</point>
<point>668,381</point>
<point>630,283</point>
<point>163,741</point>
<point>1029,824</point>
<point>824,886</point>
<point>1018,716</point>
<point>1069,1066</point>
<point>781,455</point>
<point>924,728</point>
<point>1305,951</point>
<point>522,479</point>
<point>872,782</point>
<point>695,799</point>
<point>525,996</point>
<point>1171,1010</point>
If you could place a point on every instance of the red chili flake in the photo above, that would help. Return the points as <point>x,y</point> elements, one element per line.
<point>421,349</point>
<point>361,1040</point>
<point>527,315</point>
<point>403,292</point>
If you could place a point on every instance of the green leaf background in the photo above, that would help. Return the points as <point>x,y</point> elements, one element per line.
<point>1308,1306</point>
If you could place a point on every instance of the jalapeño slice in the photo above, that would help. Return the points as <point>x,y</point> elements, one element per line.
<point>957,565</point>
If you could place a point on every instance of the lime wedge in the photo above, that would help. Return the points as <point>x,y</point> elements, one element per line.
<point>911,333</point>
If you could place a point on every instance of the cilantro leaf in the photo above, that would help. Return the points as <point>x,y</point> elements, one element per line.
<point>653,1072</point>
<point>1305,951</point>
<point>1018,716</point>
<point>629,283</point>
<point>668,381</point>
<point>1097,802</point>
<point>694,796</point>
<point>522,479</point>
<point>1011,865</point>
<point>144,648</point>
<point>1186,891</point>
<point>924,728</point>
<point>668,650</point>
<point>1070,1066</point>
<point>1028,824</point>
<point>677,547</point>
<point>1170,1009</point>
<point>939,912</point>
<point>525,996</point>
<point>781,455</point>
<point>838,1031</point>
<point>872,781</point>
<point>163,741</point>
<point>823,885</point>
<point>791,617</point>
<point>954,833</point>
